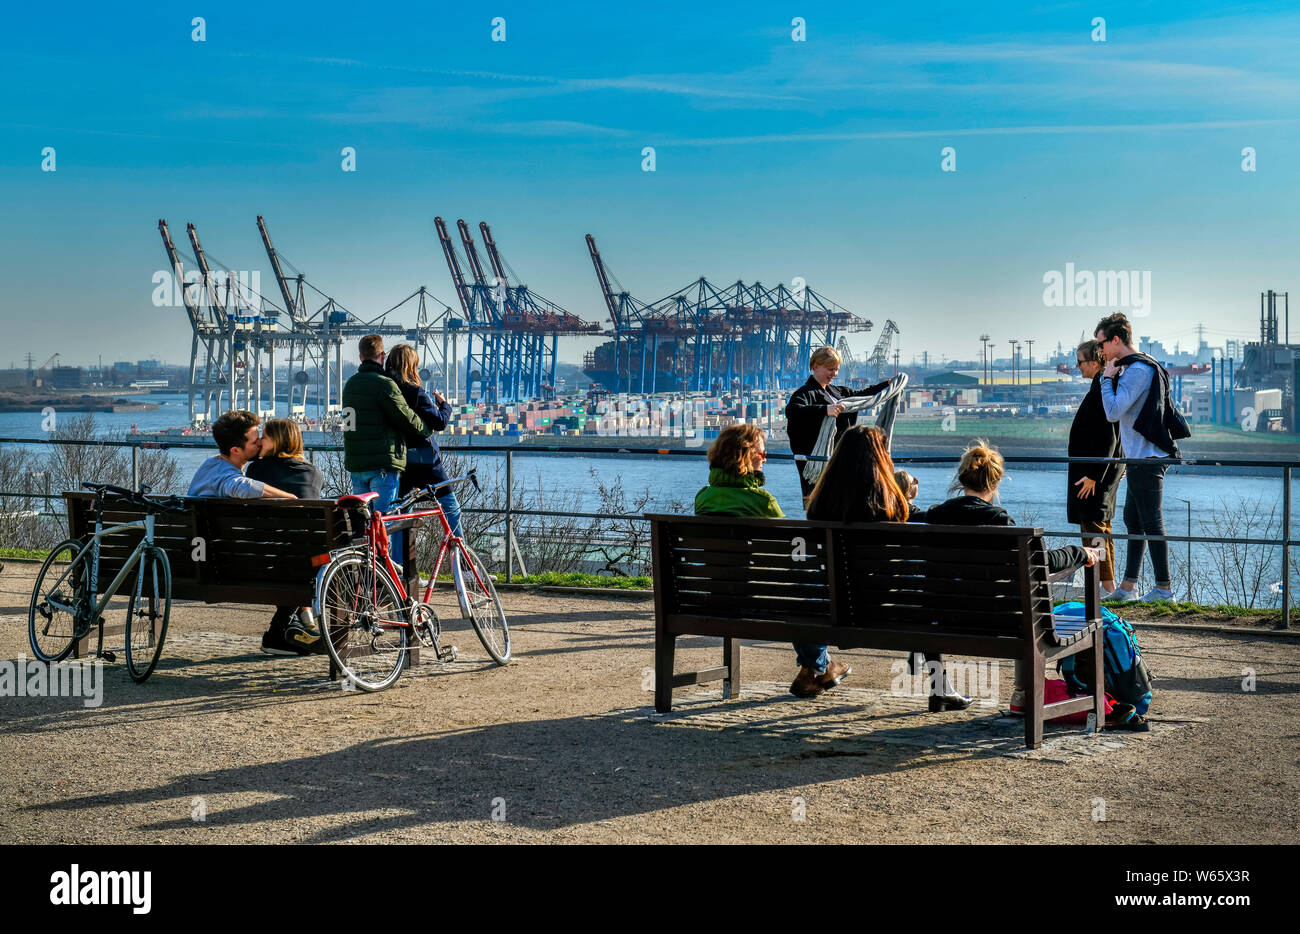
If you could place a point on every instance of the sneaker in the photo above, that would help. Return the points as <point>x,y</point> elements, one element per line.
<point>1125,717</point>
<point>1158,595</point>
<point>807,683</point>
<point>306,621</point>
<point>1017,706</point>
<point>835,673</point>
<point>292,640</point>
<point>1120,595</point>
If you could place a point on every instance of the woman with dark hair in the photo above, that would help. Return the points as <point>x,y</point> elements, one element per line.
<point>280,463</point>
<point>978,475</point>
<point>858,485</point>
<point>423,459</point>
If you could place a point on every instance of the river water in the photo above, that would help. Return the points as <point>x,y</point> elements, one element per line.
<point>1217,504</point>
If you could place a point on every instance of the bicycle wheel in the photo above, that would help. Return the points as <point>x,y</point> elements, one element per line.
<point>478,601</point>
<point>362,621</point>
<point>59,601</point>
<point>148,612</point>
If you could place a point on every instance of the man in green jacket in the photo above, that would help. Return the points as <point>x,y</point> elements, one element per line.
<point>375,421</point>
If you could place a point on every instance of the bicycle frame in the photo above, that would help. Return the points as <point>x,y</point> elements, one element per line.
<point>377,547</point>
<point>101,531</point>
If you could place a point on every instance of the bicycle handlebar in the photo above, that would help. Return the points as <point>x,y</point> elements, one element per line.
<point>427,492</point>
<point>158,504</point>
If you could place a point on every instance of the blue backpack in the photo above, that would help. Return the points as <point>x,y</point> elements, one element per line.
<point>1127,678</point>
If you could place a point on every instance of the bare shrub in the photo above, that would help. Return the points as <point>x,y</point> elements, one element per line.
<point>1246,572</point>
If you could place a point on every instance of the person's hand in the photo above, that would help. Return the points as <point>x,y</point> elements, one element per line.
<point>438,397</point>
<point>1112,369</point>
<point>834,409</point>
<point>1088,487</point>
<point>1094,555</point>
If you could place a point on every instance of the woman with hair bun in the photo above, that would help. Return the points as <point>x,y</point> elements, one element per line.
<point>978,475</point>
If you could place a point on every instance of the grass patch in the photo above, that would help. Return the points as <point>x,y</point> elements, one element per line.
<point>1156,610</point>
<point>37,554</point>
<point>554,579</point>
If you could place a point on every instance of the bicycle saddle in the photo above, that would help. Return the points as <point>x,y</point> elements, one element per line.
<point>356,499</point>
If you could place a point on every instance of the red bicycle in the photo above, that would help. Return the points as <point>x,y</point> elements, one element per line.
<point>367,618</point>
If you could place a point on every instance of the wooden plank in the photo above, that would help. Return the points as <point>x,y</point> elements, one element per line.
<point>997,621</point>
<point>794,575</point>
<point>703,676</point>
<point>755,545</point>
<point>756,587</point>
<point>978,645</point>
<point>889,551</point>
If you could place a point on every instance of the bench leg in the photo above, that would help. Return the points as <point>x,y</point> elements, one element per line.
<point>731,660</point>
<point>1099,678</point>
<point>665,649</point>
<point>1034,696</point>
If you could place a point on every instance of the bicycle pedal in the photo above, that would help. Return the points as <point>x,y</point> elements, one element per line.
<point>449,654</point>
<point>108,656</point>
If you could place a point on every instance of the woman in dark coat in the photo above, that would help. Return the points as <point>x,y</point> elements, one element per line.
<point>978,475</point>
<point>282,465</point>
<point>1090,500</point>
<point>423,459</point>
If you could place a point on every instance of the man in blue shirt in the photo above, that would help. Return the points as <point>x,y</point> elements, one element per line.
<point>1135,393</point>
<point>239,440</point>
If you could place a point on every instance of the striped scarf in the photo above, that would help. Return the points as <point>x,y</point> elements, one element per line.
<point>886,399</point>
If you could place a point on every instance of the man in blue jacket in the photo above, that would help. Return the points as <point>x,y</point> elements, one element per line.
<point>1135,393</point>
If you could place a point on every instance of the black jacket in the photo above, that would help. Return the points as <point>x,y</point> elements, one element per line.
<point>304,480</point>
<point>435,417</point>
<point>806,411</point>
<point>1092,435</point>
<point>1158,419</point>
<point>971,510</point>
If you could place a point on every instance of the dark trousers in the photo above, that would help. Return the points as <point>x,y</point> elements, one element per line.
<point>1144,515</point>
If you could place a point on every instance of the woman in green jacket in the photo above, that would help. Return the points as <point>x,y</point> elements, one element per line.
<point>736,489</point>
<point>736,477</point>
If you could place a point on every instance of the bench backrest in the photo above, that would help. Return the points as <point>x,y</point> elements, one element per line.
<point>251,550</point>
<point>983,580</point>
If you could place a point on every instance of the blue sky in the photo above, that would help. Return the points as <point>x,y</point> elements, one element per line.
<point>775,158</point>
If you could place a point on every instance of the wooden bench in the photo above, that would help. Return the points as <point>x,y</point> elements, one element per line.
<point>977,591</point>
<point>255,551</point>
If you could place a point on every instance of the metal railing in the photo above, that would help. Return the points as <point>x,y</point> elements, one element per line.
<point>508,511</point>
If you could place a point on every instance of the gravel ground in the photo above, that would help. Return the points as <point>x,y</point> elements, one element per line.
<point>225,745</point>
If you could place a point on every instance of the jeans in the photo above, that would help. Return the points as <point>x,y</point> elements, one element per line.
<point>811,656</point>
<point>1143,515</point>
<point>451,509</point>
<point>383,482</point>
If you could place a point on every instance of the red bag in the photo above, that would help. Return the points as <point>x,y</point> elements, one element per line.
<point>1055,690</point>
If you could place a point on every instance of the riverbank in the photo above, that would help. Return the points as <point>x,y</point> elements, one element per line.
<point>68,402</point>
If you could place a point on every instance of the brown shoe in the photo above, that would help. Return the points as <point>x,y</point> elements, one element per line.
<point>835,673</point>
<point>807,683</point>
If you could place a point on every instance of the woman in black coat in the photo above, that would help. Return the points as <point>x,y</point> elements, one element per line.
<point>1090,500</point>
<point>978,475</point>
